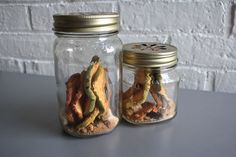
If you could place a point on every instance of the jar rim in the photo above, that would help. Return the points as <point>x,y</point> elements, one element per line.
<point>87,22</point>
<point>149,55</point>
<point>86,35</point>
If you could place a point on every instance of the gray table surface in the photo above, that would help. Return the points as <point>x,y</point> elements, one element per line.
<point>204,126</point>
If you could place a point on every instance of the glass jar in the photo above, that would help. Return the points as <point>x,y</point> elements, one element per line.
<point>86,56</point>
<point>149,82</point>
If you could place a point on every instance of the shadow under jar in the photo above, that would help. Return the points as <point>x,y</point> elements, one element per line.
<point>86,60</point>
<point>149,82</point>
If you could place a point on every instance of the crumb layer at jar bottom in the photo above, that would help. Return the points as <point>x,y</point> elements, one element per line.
<point>99,126</point>
<point>149,115</point>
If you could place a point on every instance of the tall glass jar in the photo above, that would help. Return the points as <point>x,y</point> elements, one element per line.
<point>149,82</point>
<point>86,59</point>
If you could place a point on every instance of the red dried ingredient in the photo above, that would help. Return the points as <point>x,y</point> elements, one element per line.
<point>147,107</point>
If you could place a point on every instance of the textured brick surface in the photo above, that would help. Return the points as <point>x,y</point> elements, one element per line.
<point>14,18</point>
<point>191,78</point>
<point>27,46</point>
<point>27,66</point>
<point>11,64</point>
<point>214,52</point>
<point>42,15</point>
<point>29,1</point>
<point>172,16</point>
<point>204,31</point>
<point>225,82</point>
<point>184,43</point>
<point>39,67</point>
<point>206,51</point>
<point>129,38</point>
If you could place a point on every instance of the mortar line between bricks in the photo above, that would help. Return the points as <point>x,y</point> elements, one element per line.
<point>29,3</point>
<point>173,1</point>
<point>232,22</point>
<point>27,33</point>
<point>72,1</point>
<point>154,35</point>
<point>24,67</point>
<point>30,17</point>
<point>210,69</point>
<point>194,67</point>
<point>122,33</point>
<point>214,82</point>
<point>26,60</point>
<point>53,3</point>
<point>171,33</point>
<point>160,32</point>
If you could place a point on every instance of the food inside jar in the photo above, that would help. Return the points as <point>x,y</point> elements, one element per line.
<point>147,100</point>
<point>88,97</point>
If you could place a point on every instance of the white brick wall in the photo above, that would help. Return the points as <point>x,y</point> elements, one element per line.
<point>203,30</point>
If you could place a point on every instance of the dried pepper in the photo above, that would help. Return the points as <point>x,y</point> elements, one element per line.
<point>138,93</point>
<point>136,104</point>
<point>99,88</point>
<point>89,119</point>
<point>74,94</point>
<point>87,101</point>
<point>88,79</point>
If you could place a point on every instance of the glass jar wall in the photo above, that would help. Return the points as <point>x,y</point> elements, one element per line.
<point>87,72</point>
<point>149,83</point>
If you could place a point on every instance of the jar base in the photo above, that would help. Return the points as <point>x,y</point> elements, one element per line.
<point>150,121</point>
<point>166,114</point>
<point>99,127</point>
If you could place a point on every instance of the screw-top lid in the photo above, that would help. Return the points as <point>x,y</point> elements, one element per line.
<point>149,55</point>
<point>87,22</point>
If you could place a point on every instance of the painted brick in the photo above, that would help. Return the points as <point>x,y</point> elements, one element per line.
<point>27,66</point>
<point>214,52</point>
<point>205,51</point>
<point>130,38</point>
<point>29,1</point>
<point>27,46</point>
<point>42,16</point>
<point>164,16</point>
<point>184,45</point>
<point>225,82</point>
<point>191,78</point>
<point>39,67</point>
<point>11,65</point>
<point>14,18</point>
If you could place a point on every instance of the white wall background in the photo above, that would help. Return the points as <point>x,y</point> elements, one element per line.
<point>203,30</point>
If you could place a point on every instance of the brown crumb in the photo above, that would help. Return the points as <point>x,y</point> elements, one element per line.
<point>107,123</point>
<point>83,130</point>
<point>90,127</point>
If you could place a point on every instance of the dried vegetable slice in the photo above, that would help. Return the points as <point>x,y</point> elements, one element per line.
<point>94,64</point>
<point>99,87</point>
<point>136,107</point>
<point>88,101</point>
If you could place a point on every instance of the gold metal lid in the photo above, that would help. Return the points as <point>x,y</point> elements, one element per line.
<point>149,55</point>
<point>86,22</point>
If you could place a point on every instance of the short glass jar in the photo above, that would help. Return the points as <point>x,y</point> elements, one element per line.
<point>149,82</point>
<point>86,56</point>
